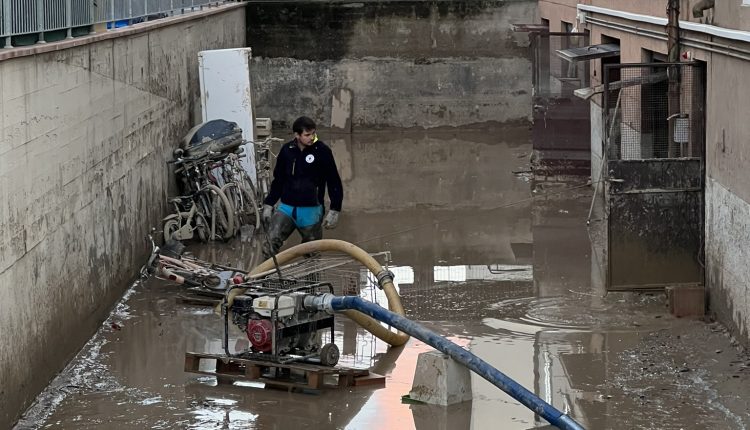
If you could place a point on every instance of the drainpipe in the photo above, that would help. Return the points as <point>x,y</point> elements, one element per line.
<point>701,6</point>
<point>673,72</point>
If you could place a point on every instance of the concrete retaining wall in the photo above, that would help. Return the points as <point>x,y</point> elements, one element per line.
<point>408,63</point>
<point>85,133</point>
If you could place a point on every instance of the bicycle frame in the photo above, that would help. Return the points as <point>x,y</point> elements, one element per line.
<point>186,270</point>
<point>184,220</point>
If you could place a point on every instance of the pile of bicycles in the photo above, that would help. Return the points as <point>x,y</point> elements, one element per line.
<point>217,196</point>
<point>170,264</point>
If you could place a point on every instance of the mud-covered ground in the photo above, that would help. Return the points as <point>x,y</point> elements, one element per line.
<point>501,266</point>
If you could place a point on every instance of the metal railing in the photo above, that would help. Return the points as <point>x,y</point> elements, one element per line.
<point>24,17</point>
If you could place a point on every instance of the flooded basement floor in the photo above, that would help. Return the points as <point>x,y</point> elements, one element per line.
<point>482,256</point>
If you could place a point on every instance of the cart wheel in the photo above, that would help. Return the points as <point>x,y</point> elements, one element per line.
<point>213,282</point>
<point>329,354</point>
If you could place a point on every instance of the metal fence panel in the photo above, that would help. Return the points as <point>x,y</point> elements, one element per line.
<point>654,111</point>
<point>55,14</point>
<point>81,11</point>
<point>137,8</point>
<point>23,16</point>
<point>103,10</point>
<point>153,7</point>
<point>18,17</point>
<point>120,10</point>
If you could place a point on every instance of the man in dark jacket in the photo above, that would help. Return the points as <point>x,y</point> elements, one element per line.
<point>304,168</point>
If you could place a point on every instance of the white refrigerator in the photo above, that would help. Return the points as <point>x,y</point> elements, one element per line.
<point>226,94</point>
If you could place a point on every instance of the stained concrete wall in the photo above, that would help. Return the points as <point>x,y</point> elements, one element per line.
<point>728,192</point>
<point>727,274</point>
<point>408,63</point>
<point>86,130</point>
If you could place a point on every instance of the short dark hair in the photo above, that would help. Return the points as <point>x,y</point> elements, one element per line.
<point>303,124</point>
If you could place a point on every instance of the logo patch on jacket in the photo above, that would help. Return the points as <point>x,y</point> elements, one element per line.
<point>310,158</point>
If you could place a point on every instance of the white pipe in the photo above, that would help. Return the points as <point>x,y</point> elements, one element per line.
<point>743,36</point>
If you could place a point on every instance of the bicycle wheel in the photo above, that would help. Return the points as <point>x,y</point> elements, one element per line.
<point>252,206</point>
<point>202,228</point>
<point>170,228</point>
<point>221,211</point>
<point>238,204</point>
<point>189,277</point>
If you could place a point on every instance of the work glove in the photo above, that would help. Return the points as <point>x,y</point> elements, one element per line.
<point>266,214</point>
<point>331,220</point>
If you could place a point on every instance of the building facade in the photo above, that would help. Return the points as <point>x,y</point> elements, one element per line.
<point>683,125</point>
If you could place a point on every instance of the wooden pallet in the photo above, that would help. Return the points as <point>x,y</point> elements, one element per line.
<point>288,376</point>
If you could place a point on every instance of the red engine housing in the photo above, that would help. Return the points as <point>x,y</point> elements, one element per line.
<point>259,333</point>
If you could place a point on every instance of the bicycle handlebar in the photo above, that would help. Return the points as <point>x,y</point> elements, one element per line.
<point>268,139</point>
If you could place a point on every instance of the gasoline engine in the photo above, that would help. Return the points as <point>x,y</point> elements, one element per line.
<point>280,328</point>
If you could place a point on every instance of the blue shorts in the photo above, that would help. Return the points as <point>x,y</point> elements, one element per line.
<point>303,216</point>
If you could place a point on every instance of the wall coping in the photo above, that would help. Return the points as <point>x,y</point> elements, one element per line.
<point>40,48</point>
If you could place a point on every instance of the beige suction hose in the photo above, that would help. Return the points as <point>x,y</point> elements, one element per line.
<point>385,280</point>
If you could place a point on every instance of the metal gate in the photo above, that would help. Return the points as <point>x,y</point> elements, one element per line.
<point>561,131</point>
<point>655,144</point>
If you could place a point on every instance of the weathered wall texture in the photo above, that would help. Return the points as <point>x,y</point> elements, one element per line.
<point>728,192</point>
<point>85,134</point>
<point>408,63</point>
<point>727,274</point>
<point>396,93</point>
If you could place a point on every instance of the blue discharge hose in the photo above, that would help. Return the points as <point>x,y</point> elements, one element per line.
<point>471,361</point>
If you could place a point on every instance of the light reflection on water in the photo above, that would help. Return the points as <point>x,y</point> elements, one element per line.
<point>404,275</point>
<point>227,418</point>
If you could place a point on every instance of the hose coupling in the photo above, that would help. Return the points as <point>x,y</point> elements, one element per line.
<point>318,302</point>
<point>383,277</point>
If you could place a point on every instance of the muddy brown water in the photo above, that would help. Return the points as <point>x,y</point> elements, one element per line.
<point>499,265</point>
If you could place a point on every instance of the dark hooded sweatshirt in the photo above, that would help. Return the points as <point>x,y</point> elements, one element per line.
<point>301,176</point>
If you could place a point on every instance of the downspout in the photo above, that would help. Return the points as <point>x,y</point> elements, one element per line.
<point>702,5</point>
<point>673,73</point>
